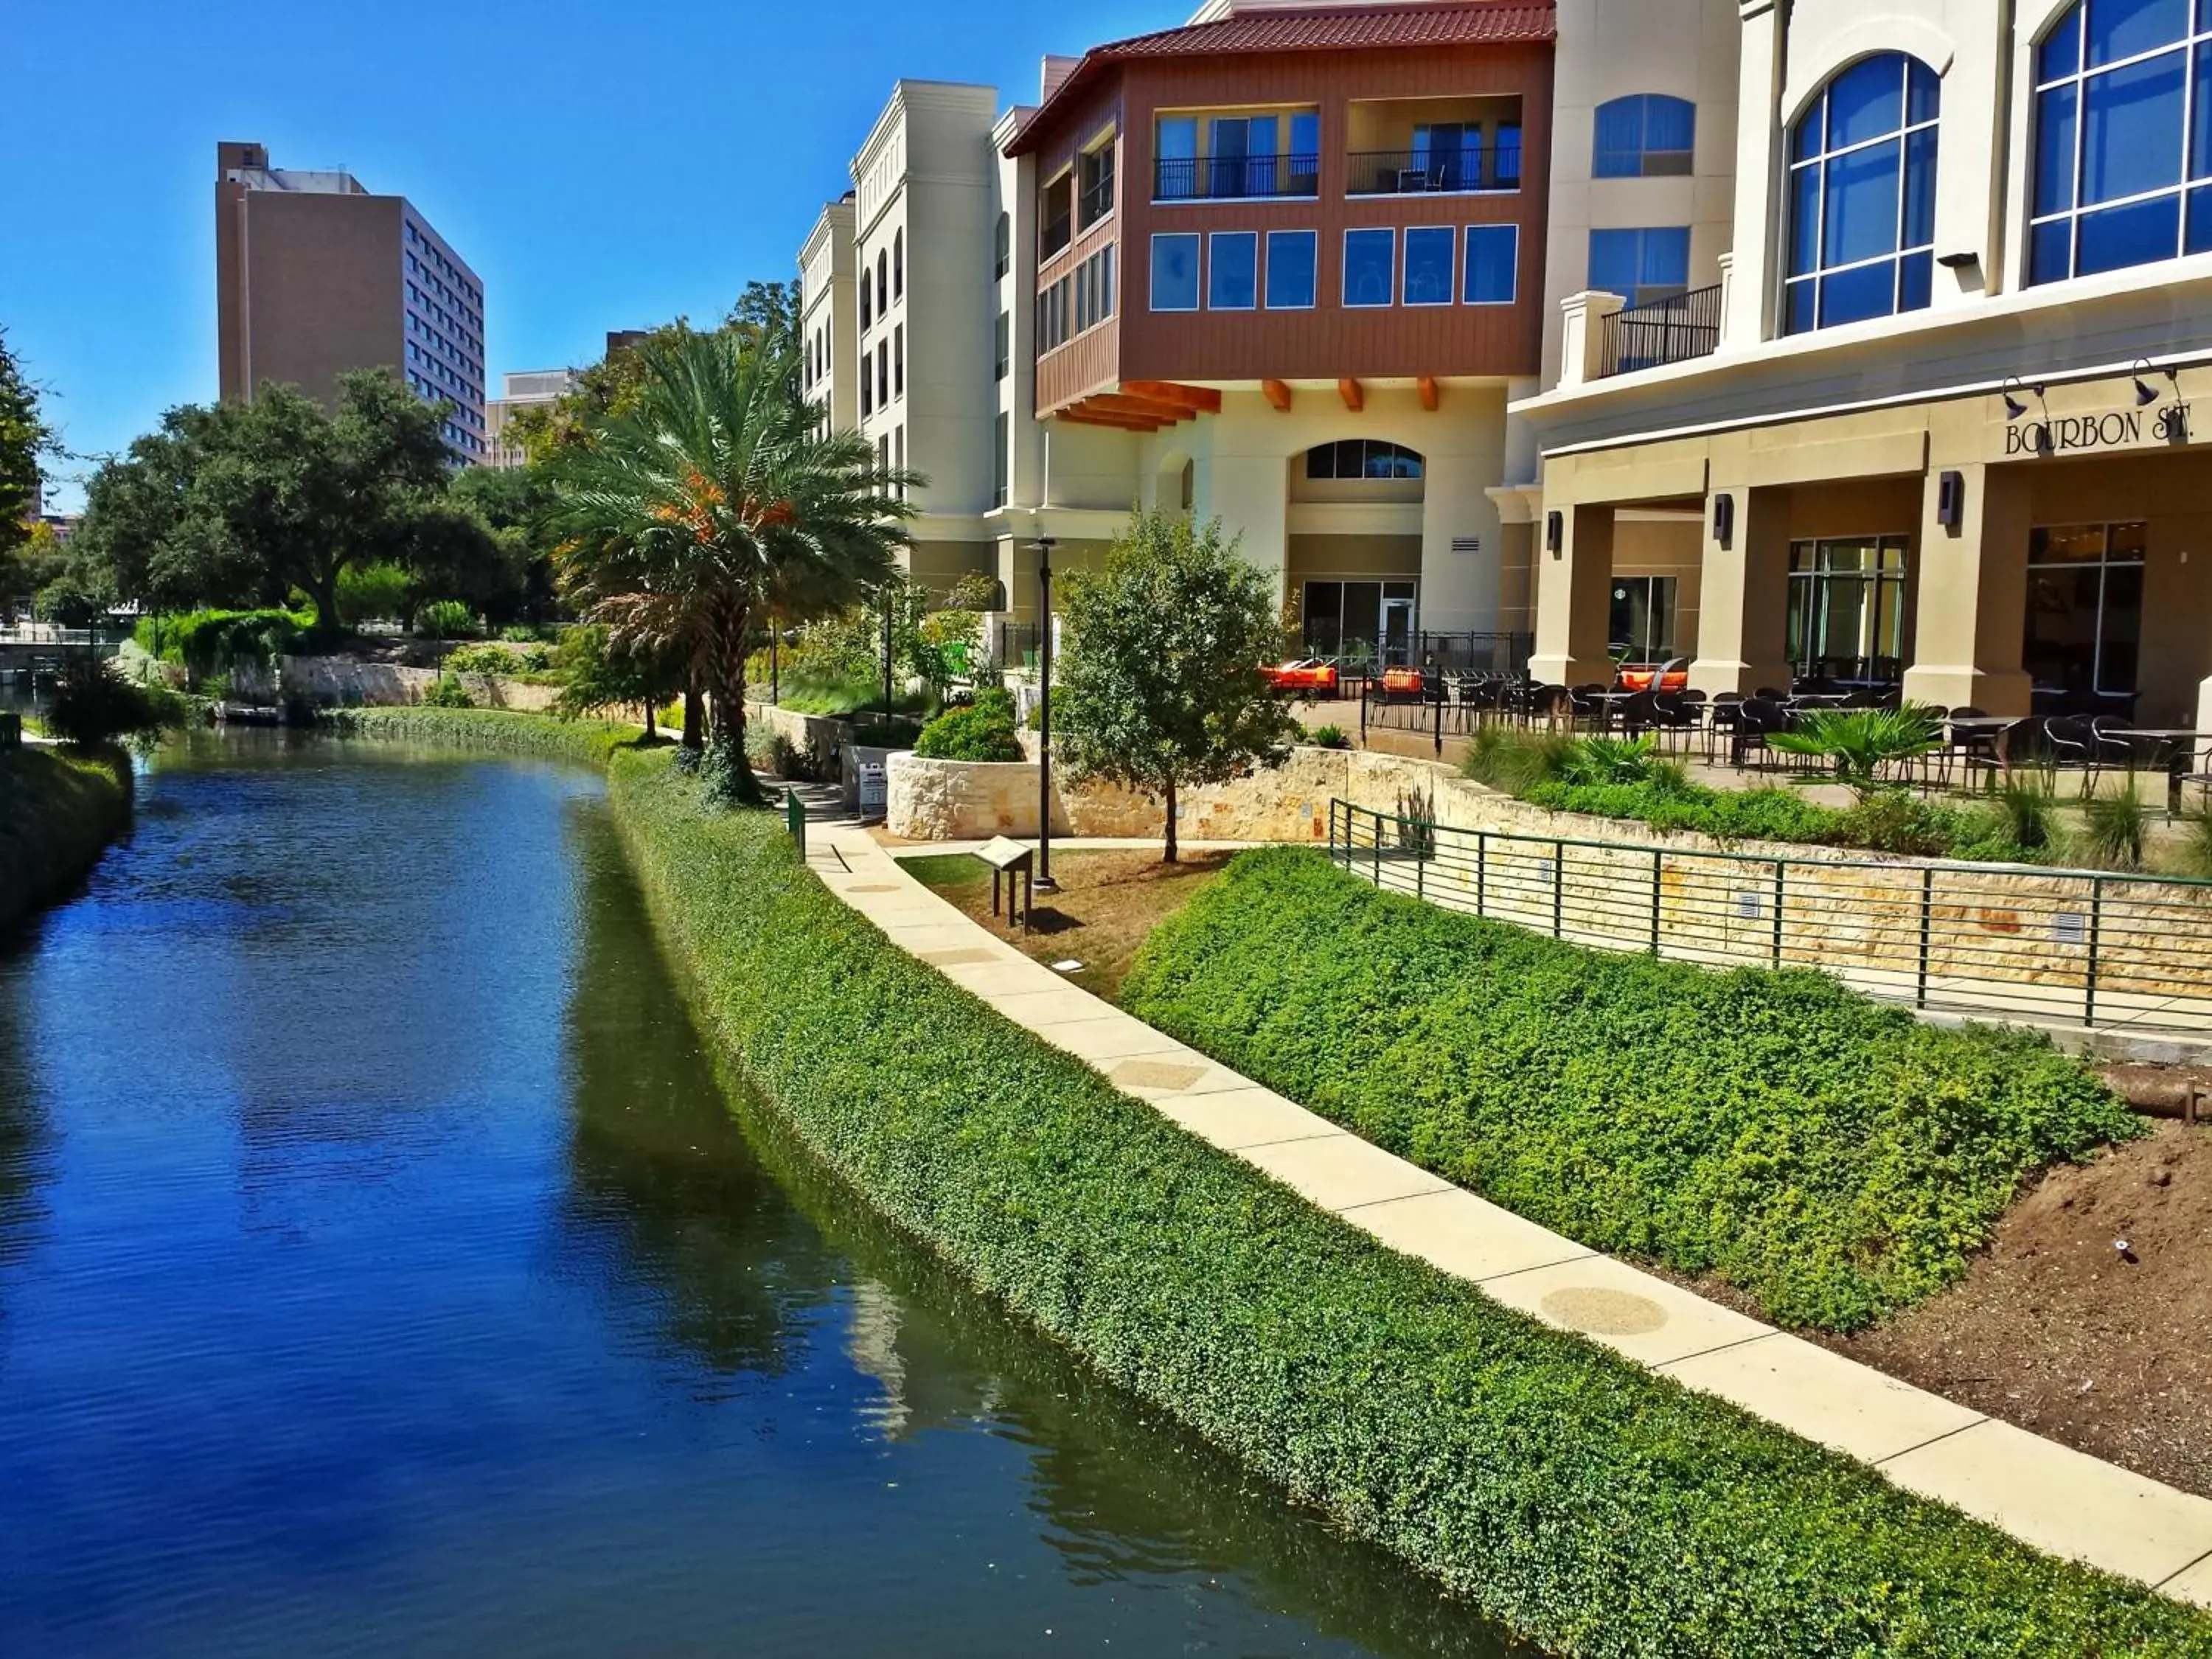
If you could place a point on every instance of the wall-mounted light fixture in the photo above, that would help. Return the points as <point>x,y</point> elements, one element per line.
<point>1555,532</point>
<point>1724,519</point>
<point>2015,408</point>
<point>1958,261</point>
<point>1950,499</point>
<point>2146,392</point>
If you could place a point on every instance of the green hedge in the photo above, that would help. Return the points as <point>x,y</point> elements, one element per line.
<point>215,641</point>
<point>1833,1158</point>
<point>1594,1506</point>
<point>981,730</point>
<point>58,813</point>
<point>590,742</point>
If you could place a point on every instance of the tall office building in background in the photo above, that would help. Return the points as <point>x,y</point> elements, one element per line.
<point>315,275</point>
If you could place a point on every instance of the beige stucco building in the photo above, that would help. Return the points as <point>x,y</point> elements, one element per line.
<point>1946,431</point>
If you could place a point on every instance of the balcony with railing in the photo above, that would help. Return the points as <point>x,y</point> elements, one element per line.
<point>1675,330</point>
<point>1423,146</point>
<point>1427,172</point>
<point>1235,177</point>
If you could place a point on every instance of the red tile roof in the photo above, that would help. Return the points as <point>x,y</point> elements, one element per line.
<point>1493,22</point>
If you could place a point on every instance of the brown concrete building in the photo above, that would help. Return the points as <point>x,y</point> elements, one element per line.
<point>315,275</point>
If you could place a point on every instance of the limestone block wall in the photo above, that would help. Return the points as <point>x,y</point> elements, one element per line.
<point>348,682</point>
<point>963,800</point>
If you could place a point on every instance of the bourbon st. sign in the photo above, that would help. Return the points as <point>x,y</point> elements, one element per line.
<point>2070,434</point>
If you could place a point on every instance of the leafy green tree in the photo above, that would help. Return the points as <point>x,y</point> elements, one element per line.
<point>601,676</point>
<point>1162,686</point>
<point>683,514</point>
<point>24,435</point>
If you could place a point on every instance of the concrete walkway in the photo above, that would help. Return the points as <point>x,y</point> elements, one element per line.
<point>2059,1500</point>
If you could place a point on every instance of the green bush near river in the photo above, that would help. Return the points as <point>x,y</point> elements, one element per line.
<point>1596,1508</point>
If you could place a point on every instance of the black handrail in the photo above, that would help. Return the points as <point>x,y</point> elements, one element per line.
<point>1673,330</point>
<point>1222,178</point>
<point>1417,173</point>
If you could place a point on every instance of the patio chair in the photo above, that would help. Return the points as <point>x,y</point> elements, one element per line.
<point>1676,713</point>
<point>1721,716</point>
<point>2072,740</point>
<point>1639,714</point>
<point>1757,719</point>
<point>1587,707</point>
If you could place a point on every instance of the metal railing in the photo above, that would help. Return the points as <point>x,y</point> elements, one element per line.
<point>1057,234</point>
<point>1095,203</point>
<point>1473,652</point>
<point>2073,947</point>
<point>1013,645</point>
<point>1223,177</point>
<point>1670,331</point>
<point>1417,173</point>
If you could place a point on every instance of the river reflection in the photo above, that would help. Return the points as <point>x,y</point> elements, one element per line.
<point>382,1270</point>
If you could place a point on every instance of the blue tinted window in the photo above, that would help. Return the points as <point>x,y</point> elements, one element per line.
<point>1291,268</point>
<point>1429,251</point>
<point>2114,122</point>
<point>1862,193</point>
<point>1493,255</point>
<point>1641,265</point>
<point>2125,29</point>
<point>1647,134</point>
<point>1368,257</point>
<point>1232,278</point>
<point>1174,272</point>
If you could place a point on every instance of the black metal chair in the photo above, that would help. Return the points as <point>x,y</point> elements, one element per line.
<point>1721,717</point>
<point>2072,741</point>
<point>1587,706</point>
<point>1674,714</point>
<point>1757,720</point>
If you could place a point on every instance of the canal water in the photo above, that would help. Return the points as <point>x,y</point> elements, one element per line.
<point>384,1269</point>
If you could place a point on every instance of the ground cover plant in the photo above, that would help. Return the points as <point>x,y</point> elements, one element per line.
<point>1599,1508</point>
<point>1834,1159</point>
<point>57,813</point>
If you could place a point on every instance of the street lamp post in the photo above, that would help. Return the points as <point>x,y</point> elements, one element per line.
<point>1045,544</point>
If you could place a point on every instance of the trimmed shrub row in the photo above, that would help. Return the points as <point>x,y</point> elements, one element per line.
<point>1834,1159</point>
<point>1586,1503</point>
<point>1596,1508</point>
<point>58,813</point>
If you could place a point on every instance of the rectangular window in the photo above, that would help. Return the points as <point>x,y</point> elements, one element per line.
<point>1846,609</point>
<point>1106,282</point>
<point>1175,148</point>
<point>898,360</point>
<point>1429,260</point>
<point>1641,265</point>
<point>1005,346</point>
<point>1493,262</point>
<point>1290,259</point>
<point>1175,271</point>
<point>1232,272</point>
<point>1001,461</point>
<point>2085,602</point>
<point>1368,257</point>
<point>883,372</point>
<point>1641,627</point>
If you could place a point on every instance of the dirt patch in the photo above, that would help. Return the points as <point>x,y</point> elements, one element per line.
<point>2056,1329</point>
<point>1107,904</point>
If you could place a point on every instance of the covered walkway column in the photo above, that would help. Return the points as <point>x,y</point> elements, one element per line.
<point>1970,614</point>
<point>1574,596</point>
<point>1743,614</point>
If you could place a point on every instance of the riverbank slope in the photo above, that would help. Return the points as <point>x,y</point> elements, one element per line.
<point>58,813</point>
<point>1591,1504</point>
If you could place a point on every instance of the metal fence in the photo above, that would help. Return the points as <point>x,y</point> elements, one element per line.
<point>2074,947</point>
<point>1670,331</point>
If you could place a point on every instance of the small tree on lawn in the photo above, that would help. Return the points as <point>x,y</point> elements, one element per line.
<point>1161,688</point>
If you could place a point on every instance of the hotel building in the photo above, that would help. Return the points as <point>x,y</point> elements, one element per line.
<point>314,276</point>
<point>1938,421</point>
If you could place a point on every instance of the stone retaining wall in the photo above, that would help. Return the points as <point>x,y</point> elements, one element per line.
<point>968,800</point>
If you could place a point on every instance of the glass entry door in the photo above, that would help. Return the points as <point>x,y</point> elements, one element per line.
<point>1397,627</point>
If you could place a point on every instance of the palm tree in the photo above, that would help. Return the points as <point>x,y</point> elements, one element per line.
<point>710,496</point>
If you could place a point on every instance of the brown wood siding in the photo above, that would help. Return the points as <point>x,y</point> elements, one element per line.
<point>1330,341</point>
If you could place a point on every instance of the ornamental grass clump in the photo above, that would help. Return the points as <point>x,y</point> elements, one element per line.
<point>1832,1159</point>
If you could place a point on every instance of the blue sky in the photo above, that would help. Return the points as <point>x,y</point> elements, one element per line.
<point>601,166</point>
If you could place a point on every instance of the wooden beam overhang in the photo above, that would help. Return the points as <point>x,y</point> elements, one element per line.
<point>1199,399</point>
<point>1426,385</point>
<point>1278,393</point>
<point>1354,395</point>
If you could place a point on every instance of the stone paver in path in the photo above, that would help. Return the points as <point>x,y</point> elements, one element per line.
<point>2056,1499</point>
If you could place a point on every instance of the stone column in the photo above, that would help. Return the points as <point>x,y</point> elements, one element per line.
<point>1744,595</point>
<point>1574,598</point>
<point>1970,615</point>
<point>1582,335</point>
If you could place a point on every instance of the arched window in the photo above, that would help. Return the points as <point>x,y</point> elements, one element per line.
<point>883,283</point>
<point>1362,458</point>
<point>898,264</point>
<point>2123,128</point>
<point>1862,195</point>
<point>1005,243</point>
<point>867,293</point>
<point>1645,136</point>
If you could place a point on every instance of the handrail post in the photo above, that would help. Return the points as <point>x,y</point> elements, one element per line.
<point>1558,888</point>
<point>1482,868</point>
<point>1420,871</point>
<point>1332,828</point>
<point>1780,866</point>
<point>1379,850</point>
<point>2096,927</point>
<point>1927,929</point>
<point>1658,856</point>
